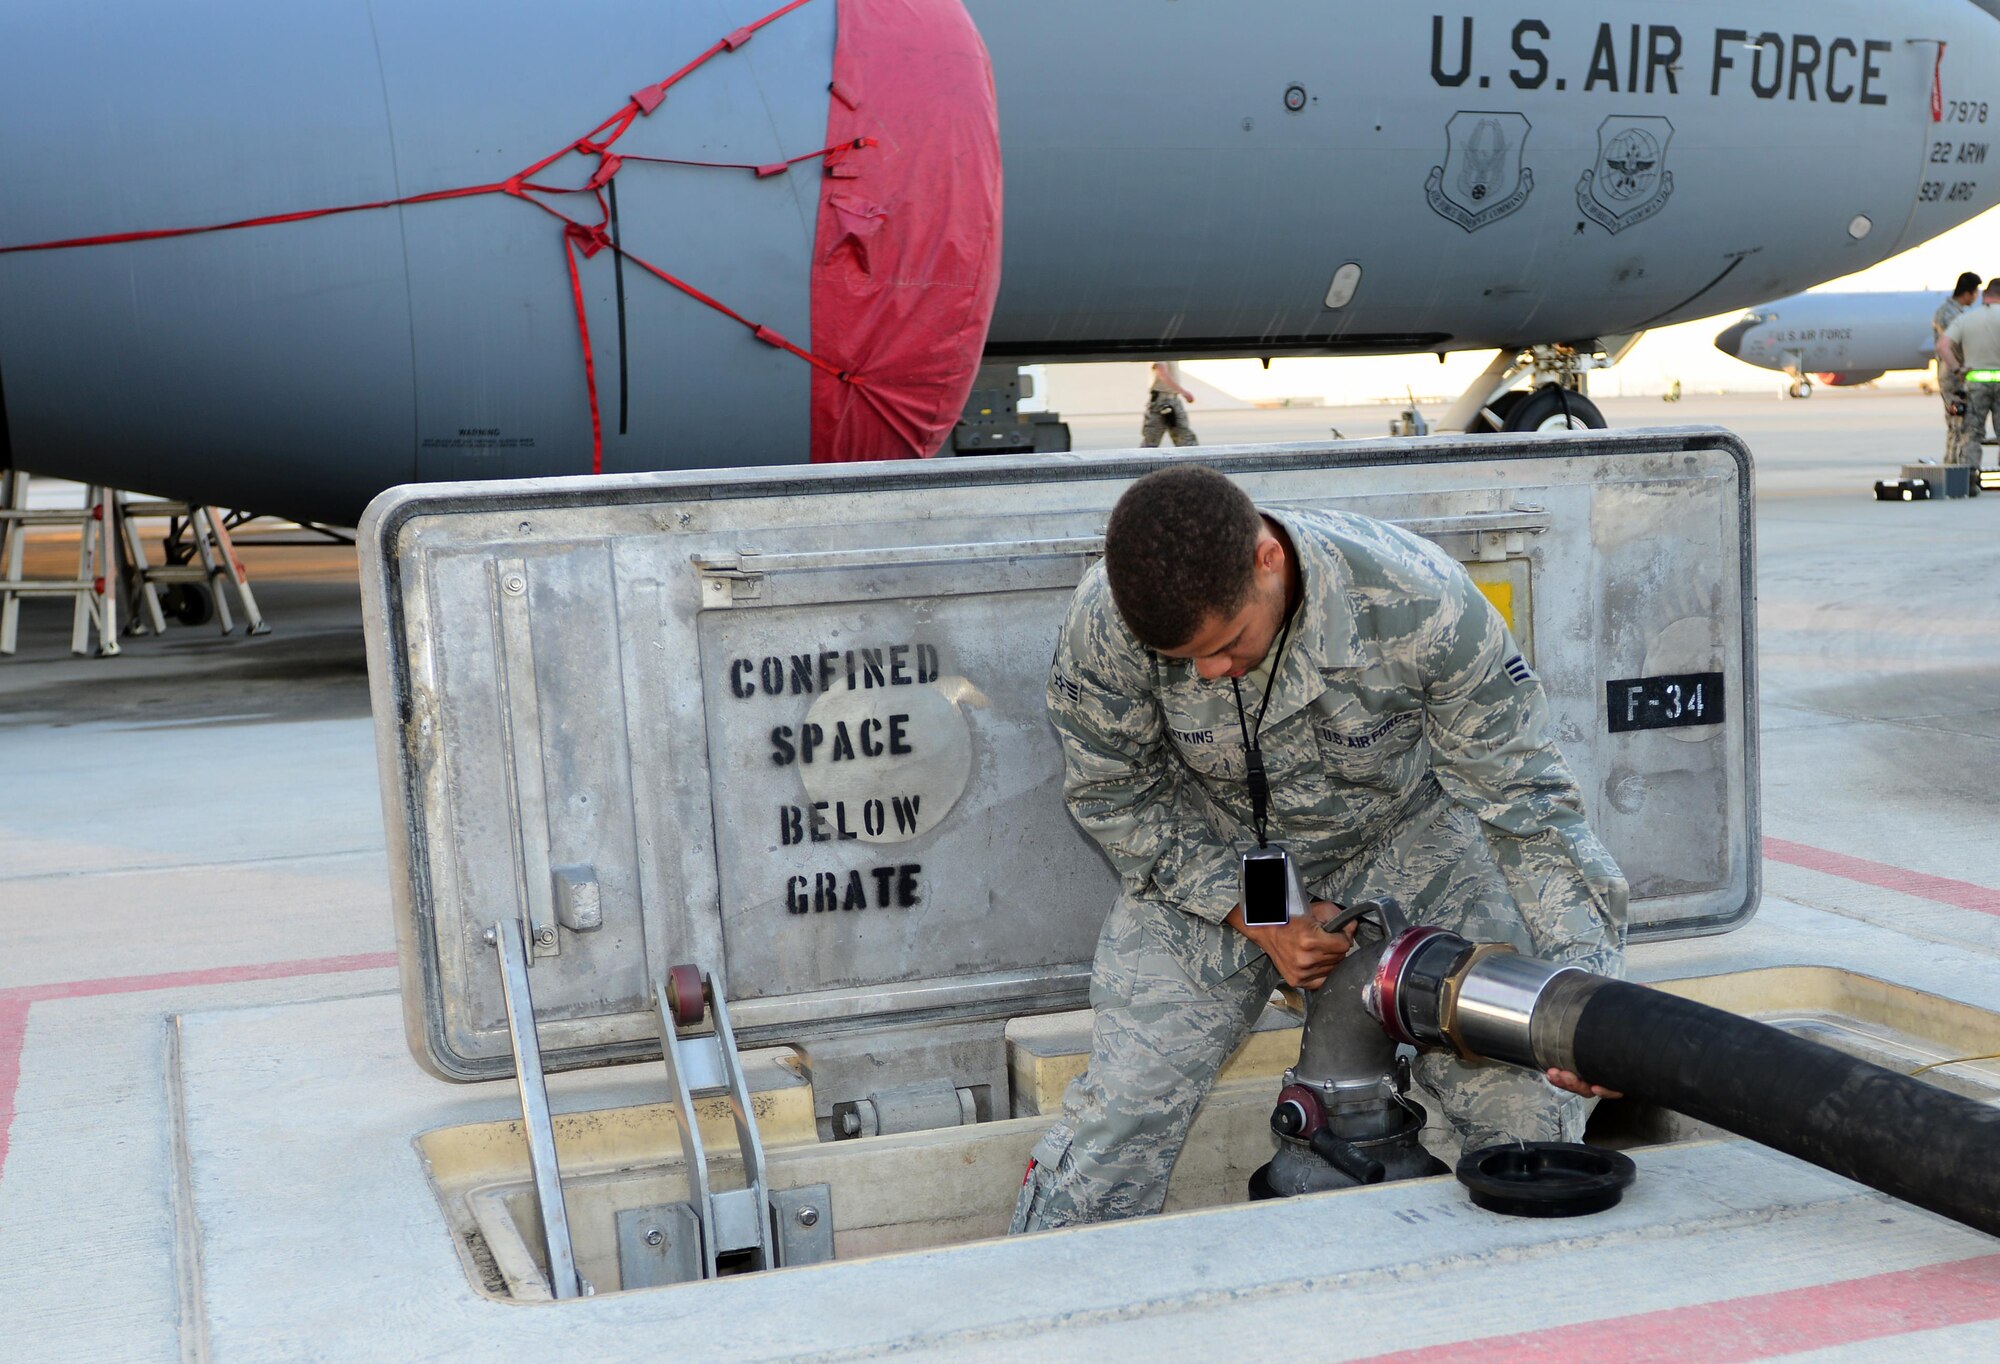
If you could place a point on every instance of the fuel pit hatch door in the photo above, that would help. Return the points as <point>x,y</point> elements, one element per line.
<point>790,725</point>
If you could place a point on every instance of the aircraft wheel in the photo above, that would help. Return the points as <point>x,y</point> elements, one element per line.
<point>1801,388</point>
<point>1550,408</point>
<point>1501,407</point>
<point>189,602</point>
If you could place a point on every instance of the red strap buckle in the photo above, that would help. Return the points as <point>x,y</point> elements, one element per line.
<point>649,97</point>
<point>588,239</point>
<point>836,158</point>
<point>775,168</point>
<point>768,337</point>
<point>736,38</point>
<point>607,166</point>
<point>844,94</point>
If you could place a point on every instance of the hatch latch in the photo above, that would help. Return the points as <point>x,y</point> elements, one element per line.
<point>730,579</point>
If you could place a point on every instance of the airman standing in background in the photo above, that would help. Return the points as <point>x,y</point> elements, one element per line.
<point>1971,346</point>
<point>1166,408</point>
<point>1951,383</point>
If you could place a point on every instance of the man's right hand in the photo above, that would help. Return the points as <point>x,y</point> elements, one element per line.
<point>1304,953</point>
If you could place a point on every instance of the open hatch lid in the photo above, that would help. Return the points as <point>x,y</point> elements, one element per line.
<point>790,725</point>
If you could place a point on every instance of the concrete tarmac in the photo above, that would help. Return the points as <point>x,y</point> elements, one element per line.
<point>195,825</point>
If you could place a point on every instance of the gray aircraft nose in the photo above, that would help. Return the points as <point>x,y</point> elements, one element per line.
<point>1730,339</point>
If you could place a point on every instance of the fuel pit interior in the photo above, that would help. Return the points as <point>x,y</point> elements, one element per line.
<point>625,1182</point>
<point>779,739</point>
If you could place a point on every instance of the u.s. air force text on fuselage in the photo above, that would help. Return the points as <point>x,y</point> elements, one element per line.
<point>1654,59</point>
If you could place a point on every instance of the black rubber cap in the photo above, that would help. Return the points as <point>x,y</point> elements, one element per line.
<point>1545,1178</point>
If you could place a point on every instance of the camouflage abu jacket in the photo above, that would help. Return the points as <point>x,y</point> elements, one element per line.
<point>1398,672</point>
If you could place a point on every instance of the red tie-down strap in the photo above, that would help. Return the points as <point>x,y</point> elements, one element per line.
<point>268,220</point>
<point>1937,85</point>
<point>587,238</point>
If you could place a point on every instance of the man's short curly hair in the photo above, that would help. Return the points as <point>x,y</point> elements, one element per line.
<point>1180,548</point>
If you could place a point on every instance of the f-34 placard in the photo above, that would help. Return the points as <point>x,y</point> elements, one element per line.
<point>1674,701</point>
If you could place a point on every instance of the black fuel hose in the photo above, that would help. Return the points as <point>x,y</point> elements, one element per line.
<point>1919,1143</point>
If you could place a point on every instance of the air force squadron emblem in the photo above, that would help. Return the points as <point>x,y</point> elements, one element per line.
<point>1482,179</point>
<point>1630,182</point>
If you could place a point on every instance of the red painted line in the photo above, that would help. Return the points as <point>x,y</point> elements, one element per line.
<point>13,1034</point>
<point>1762,1326</point>
<point>17,1000</point>
<point>1943,889</point>
<point>214,975</point>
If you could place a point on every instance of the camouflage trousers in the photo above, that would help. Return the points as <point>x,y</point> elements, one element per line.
<point>1951,388</point>
<point>1166,416</point>
<point>1982,406</point>
<point>1173,997</point>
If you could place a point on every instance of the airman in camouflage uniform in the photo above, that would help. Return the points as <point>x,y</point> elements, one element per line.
<point>1166,408</point>
<point>1951,379</point>
<point>1972,341</point>
<point>1409,753</point>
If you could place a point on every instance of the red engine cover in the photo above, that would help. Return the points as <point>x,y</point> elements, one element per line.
<point>906,260</point>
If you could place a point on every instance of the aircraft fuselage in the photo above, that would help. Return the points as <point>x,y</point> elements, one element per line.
<point>1273,177</point>
<point>1837,333</point>
<point>1498,175</point>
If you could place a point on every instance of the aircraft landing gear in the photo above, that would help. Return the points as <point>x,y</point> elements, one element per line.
<point>1799,388</point>
<point>1553,408</point>
<point>1554,400</point>
<point>1548,408</point>
<point>190,603</point>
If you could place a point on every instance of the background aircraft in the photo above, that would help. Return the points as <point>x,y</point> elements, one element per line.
<point>1275,177</point>
<point>1836,338</point>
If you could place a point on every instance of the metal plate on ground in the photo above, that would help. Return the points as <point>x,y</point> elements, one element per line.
<point>791,725</point>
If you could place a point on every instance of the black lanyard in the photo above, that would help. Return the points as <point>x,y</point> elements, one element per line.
<point>1253,753</point>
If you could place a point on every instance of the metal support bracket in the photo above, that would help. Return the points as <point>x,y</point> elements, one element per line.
<point>662,1245</point>
<point>510,590</point>
<point>802,1222</point>
<point>733,1221</point>
<point>505,937</point>
<point>746,1228</point>
<point>658,1246</point>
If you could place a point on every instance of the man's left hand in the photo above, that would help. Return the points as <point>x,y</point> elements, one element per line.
<point>1575,1084</point>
